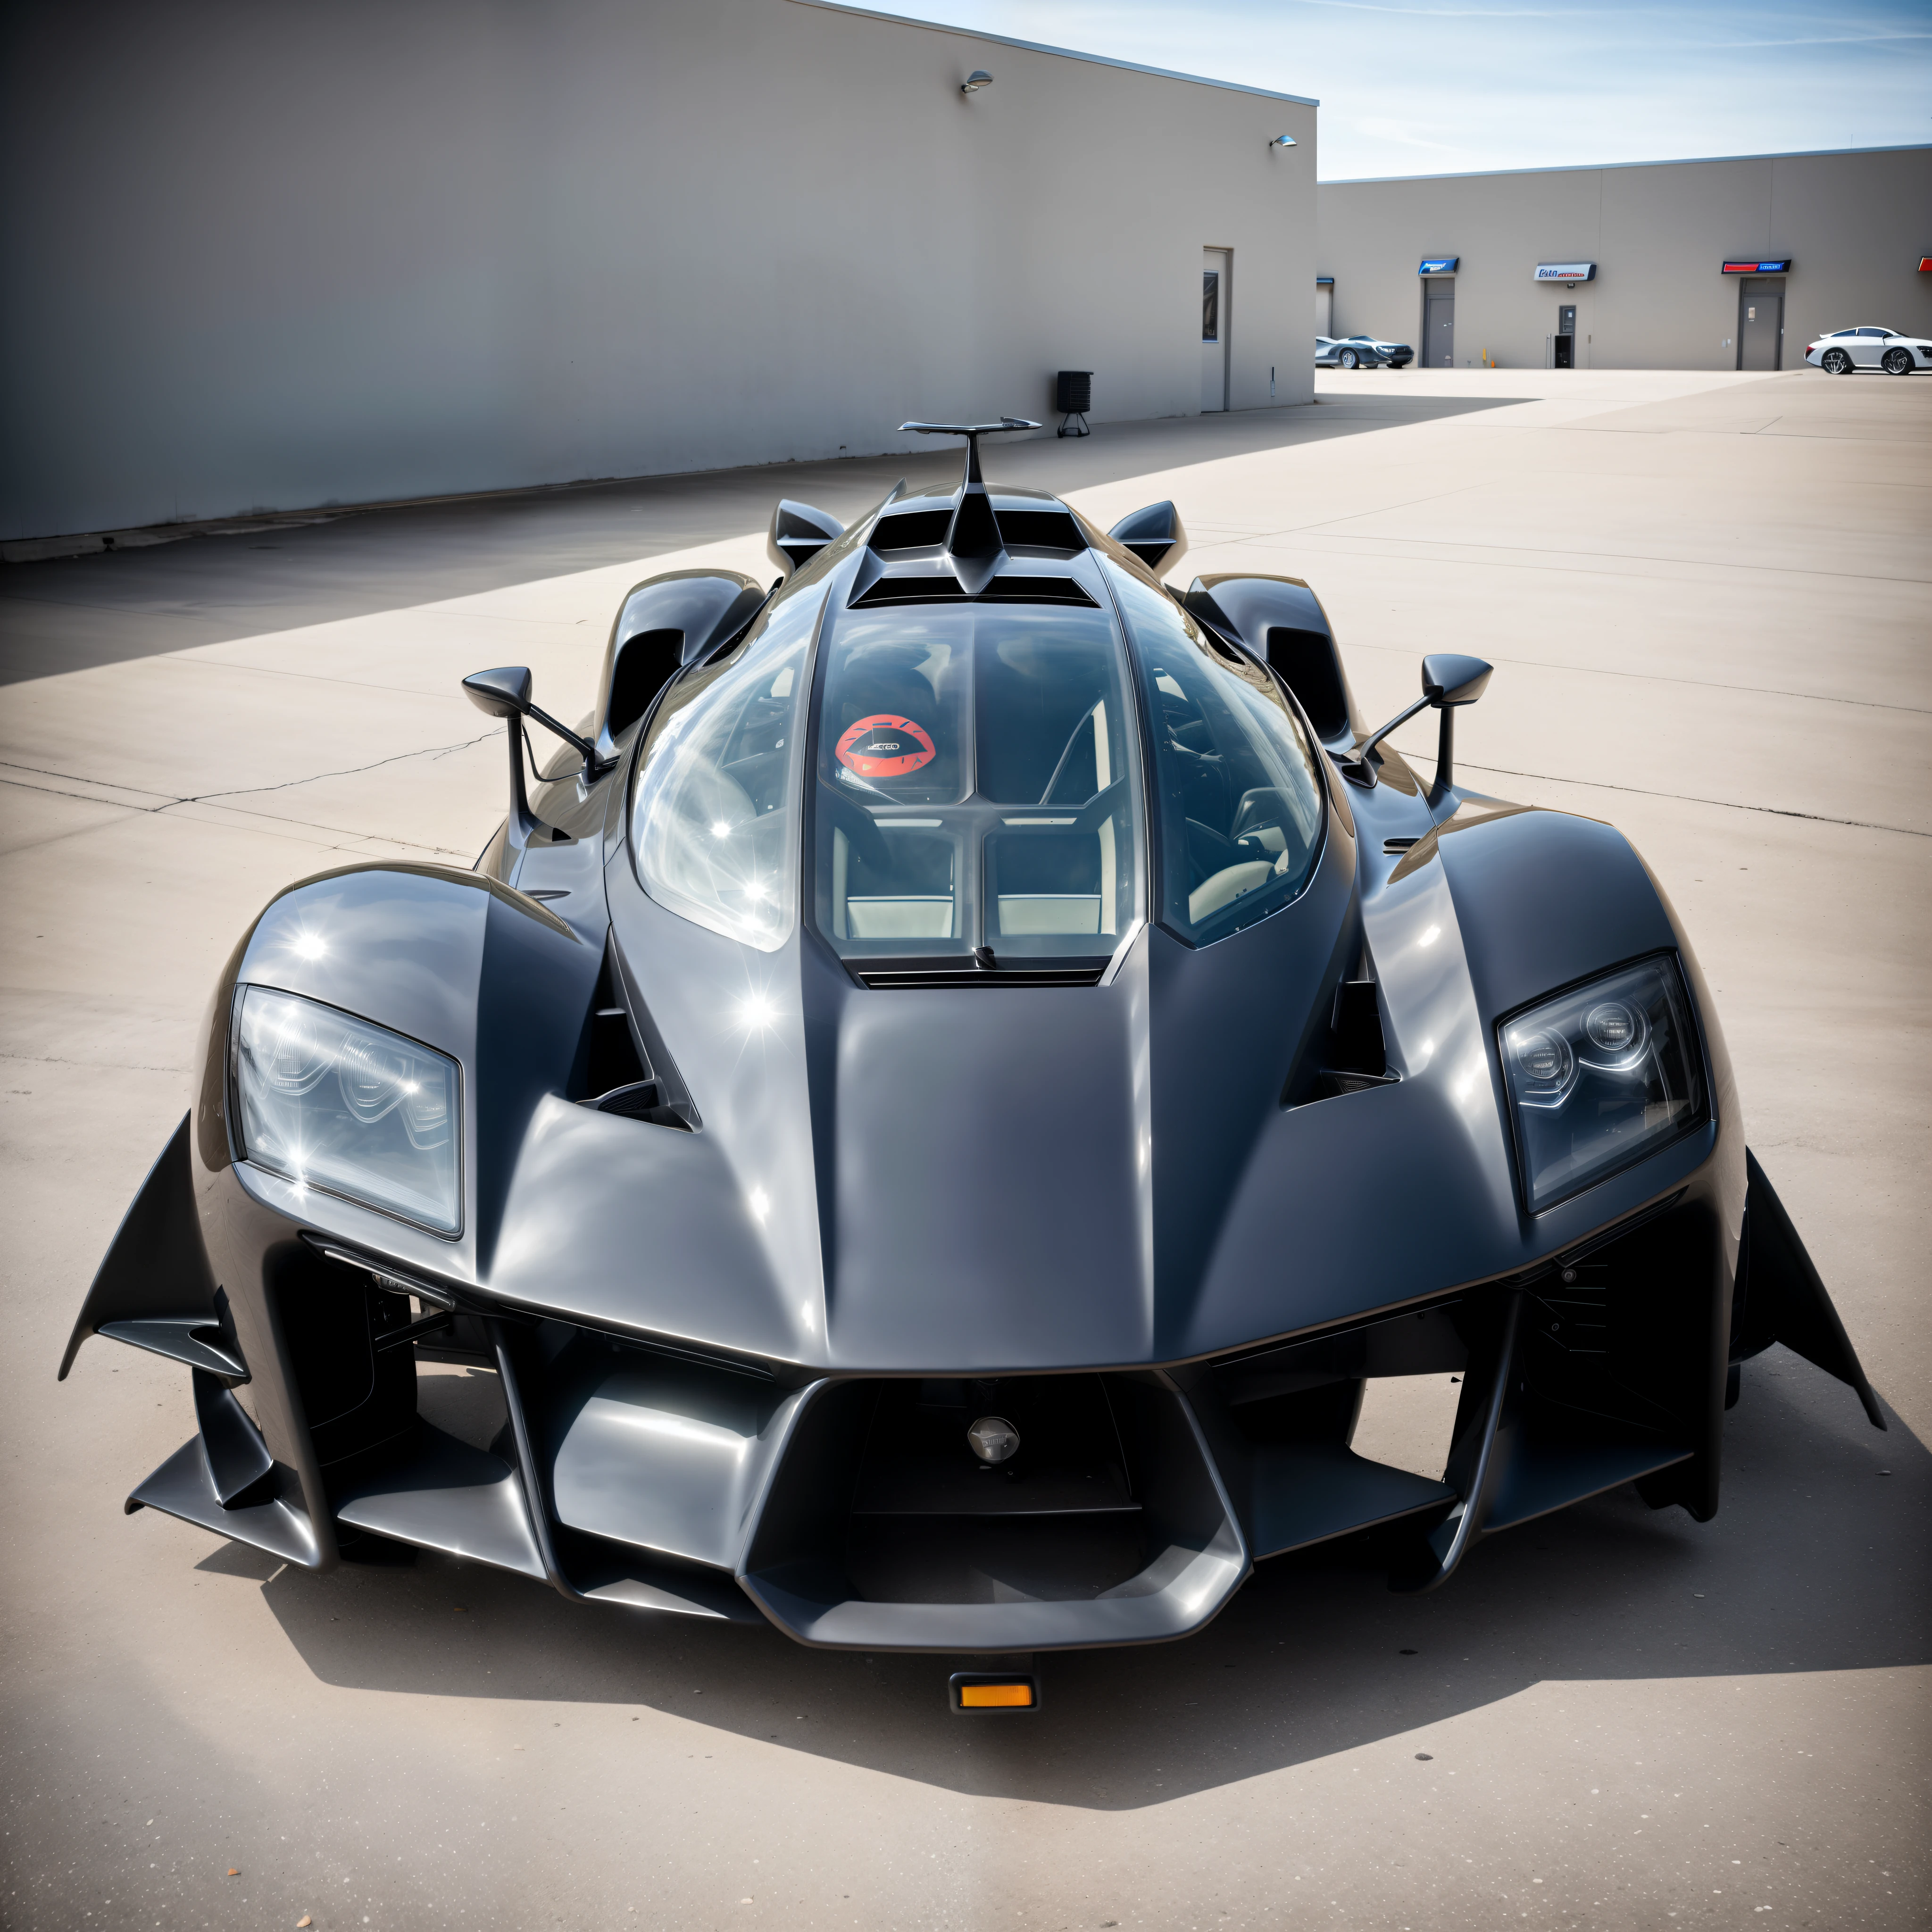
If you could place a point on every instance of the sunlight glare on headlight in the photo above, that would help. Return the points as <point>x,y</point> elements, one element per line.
<point>332,1102</point>
<point>1601,1076</point>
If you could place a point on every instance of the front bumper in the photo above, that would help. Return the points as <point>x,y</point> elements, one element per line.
<point>845,1509</point>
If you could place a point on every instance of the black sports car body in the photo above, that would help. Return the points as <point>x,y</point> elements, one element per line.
<point>934,1104</point>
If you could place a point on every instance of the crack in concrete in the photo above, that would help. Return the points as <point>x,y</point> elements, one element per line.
<point>1329,529</point>
<point>315,778</point>
<point>331,837</point>
<point>1689,798</point>
<point>246,791</point>
<point>1660,677</point>
<point>98,1066</point>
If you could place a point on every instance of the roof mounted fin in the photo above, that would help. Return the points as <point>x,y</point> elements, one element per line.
<point>974,540</point>
<point>972,432</point>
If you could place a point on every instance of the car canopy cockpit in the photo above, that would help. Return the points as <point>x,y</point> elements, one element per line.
<point>1010,778</point>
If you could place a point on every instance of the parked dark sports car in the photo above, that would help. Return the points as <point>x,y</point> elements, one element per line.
<point>932,1108</point>
<point>1361,352</point>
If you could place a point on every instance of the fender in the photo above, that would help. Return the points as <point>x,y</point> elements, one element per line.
<point>235,1272</point>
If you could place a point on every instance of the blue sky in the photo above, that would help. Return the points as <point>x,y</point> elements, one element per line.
<point>1438,86</point>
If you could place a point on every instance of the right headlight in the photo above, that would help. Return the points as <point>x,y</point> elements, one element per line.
<point>1601,1076</point>
<point>332,1102</point>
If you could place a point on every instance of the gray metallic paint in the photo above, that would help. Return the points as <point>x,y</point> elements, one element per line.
<point>1083,1178</point>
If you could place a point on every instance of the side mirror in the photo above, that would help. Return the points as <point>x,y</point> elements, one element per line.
<point>499,694</point>
<point>1155,534</point>
<point>798,533</point>
<point>1449,680</point>
<point>505,693</point>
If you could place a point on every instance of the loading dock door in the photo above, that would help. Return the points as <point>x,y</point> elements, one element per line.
<point>1438,325</point>
<point>1761,323</point>
<point>1215,290</point>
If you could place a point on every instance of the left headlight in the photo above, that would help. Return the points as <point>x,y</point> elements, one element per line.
<point>1601,1076</point>
<point>334,1102</point>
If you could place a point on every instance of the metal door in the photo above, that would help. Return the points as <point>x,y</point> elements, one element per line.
<point>1438,331</point>
<point>1324,311</point>
<point>1216,280</point>
<point>1761,324</point>
<point>1566,336</point>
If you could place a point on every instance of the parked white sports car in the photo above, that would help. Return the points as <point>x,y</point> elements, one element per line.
<point>1846,350</point>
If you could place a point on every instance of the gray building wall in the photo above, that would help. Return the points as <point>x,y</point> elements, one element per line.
<point>263,254</point>
<point>1854,226</point>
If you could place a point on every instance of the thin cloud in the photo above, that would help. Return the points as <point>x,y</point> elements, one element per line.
<point>1815,41</point>
<point>1638,82</point>
<point>1403,134</point>
<point>1434,13</point>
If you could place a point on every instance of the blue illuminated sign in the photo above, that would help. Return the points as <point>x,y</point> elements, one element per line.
<point>1758,267</point>
<point>1439,265</point>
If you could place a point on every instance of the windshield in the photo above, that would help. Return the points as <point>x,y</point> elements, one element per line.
<point>711,807</point>
<point>1238,802</point>
<point>977,785</point>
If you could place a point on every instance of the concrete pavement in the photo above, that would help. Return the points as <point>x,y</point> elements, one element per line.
<point>1707,599</point>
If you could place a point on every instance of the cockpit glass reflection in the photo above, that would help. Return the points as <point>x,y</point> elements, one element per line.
<point>976,784</point>
<point>711,810</point>
<point>1238,804</point>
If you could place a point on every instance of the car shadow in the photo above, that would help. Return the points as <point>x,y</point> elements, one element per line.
<point>1815,1563</point>
<point>71,614</point>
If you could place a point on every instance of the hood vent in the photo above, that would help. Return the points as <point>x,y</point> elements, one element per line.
<point>926,529</point>
<point>1043,530</point>
<point>937,970</point>
<point>1017,589</point>
<point>611,1061</point>
<point>912,529</point>
<point>938,588</point>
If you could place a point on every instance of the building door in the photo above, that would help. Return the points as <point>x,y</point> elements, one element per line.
<point>1216,278</point>
<point>1566,336</point>
<point>1325,310</point>
<point>1438,325</point>
<point>1761,323</point>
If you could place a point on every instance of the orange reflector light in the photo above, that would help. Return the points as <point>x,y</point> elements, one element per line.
<point>995,1697</point>
<point>975,1694</point>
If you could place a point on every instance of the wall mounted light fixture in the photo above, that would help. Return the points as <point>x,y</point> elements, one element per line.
<point>1282,141</point>
<point>974,81</point>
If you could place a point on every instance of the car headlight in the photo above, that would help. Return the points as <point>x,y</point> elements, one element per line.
<point>1599,1077</point>
<point>332,1102</point>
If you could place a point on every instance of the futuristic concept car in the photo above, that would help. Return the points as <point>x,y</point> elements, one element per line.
<point>931,1108</point>
<point>1845,351</point>
<point>1361,352</point>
